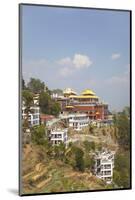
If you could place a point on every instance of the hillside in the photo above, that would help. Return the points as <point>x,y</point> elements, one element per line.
<point>43,174</point>
<point>53,176</point>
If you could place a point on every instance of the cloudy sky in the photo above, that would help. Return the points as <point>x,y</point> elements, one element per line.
<point>78,48</point>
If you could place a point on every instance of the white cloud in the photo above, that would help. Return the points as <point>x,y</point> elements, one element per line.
<point>115,56</point>
<point>78,61</point>
<point>63,67</point>
<point>65,61</point>
<point>65,71</point>
<point>81,61</point>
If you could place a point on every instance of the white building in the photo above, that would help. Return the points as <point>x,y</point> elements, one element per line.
<point>58,136</point>
<point>104,164</point>
<point>34,116</point>
<point>78,121</point>
<point>101,123</point>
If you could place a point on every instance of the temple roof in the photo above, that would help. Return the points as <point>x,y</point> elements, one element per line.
<point>84,97</point>
<point>87,92</point>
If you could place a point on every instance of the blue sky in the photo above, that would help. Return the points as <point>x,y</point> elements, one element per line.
<point>78,48</point>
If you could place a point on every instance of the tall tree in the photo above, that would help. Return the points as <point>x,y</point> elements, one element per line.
<point>38,134</point>
<point>121,174</point>
<point>27,98</point>
<point>79,159</point>
<point>55,109</point>
<point>45,102</point>
<point>123,125</point>
<point>36,86</point>
<point>23,84</point>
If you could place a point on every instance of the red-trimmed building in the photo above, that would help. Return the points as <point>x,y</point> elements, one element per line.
<point>87,103</point>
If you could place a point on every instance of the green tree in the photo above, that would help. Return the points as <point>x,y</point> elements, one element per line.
<point>79,159</point>
<point>45,102</point>
<point>121,175</point>
<point>127,111</point>
<point>89,145</point>
<point>36,86</point>
<point>123,126</point>
<point>27,98</point>
<point>38,135</point>
<point>23,84</point>
<point>59,151</point>
<point>55,108</point>
<point>89,161</point>
<point>99,146</point>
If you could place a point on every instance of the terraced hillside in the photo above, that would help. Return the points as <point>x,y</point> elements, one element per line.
<point>54,176</point>
<point>43,174</point>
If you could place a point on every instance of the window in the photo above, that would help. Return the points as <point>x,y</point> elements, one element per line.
<point>107,166</point>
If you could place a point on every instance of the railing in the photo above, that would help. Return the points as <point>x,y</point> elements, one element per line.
<point>79,120</point>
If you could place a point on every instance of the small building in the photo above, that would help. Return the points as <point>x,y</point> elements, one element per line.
<point>78,121</point>
<point>68,91</point>
<point>58,136</point>
<point>34,115</point>
<point>101,123</point>
<point>104,164</point>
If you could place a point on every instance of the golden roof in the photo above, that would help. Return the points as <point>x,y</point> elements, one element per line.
<point>84,97</point>
<point>69,106</point>
<point>88,92</point>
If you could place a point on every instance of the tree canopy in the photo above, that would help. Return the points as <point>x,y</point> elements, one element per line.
<point>45,102</point>
<point>48,105</point>
<point>35,85</point>
<point>38,134</point>
<point>55,109</point>
<point>79,159</point>
<point>28,102</point>
<point>122,122</point>
<point>121,175</point>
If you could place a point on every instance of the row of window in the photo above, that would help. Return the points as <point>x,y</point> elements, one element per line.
<point>80,124</point>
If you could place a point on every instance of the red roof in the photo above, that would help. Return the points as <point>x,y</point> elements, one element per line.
<point>46,117</point>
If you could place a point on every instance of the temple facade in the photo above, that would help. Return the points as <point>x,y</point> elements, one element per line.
<point>87,102</point>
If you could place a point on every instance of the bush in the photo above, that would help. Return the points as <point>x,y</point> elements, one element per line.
<point>89,146</point>
<point>38,134</point>
<point>121,174</point>
<point>88,162</point>
<point>79,159</point>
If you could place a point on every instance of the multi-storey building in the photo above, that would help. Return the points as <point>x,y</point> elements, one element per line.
<point>58,136</point>
<point>33,117</point>
<point>78,121</point>
<point>104,164</point>
<point>88,102</point>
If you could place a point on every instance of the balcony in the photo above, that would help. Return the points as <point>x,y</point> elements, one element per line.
<point>78,120</point>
